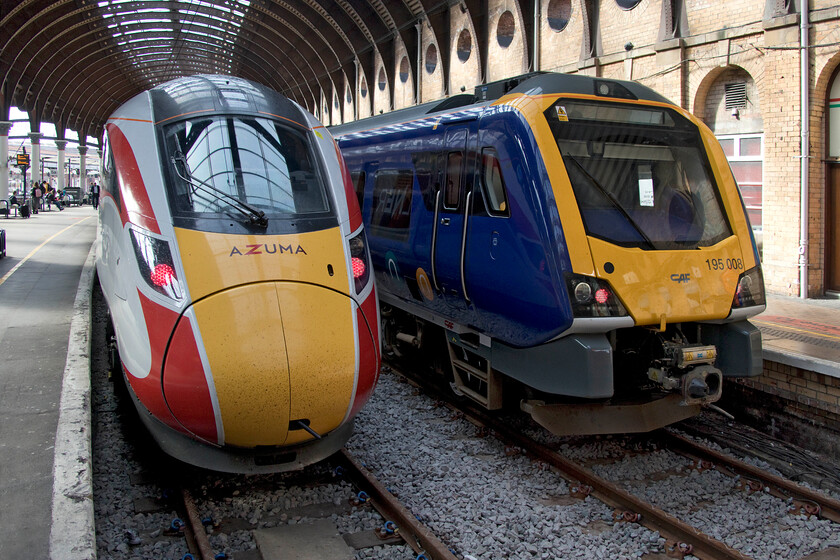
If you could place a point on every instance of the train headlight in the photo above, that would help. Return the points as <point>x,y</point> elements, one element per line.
<point>593,297</point>
<point>359,261</point>
<point>750,289</point>
<point>156,265</point>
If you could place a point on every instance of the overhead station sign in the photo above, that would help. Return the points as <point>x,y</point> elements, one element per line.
<point>23,160</point>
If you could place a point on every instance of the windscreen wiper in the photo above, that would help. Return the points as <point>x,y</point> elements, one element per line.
<point>609,196</point>
<point>254,215</point>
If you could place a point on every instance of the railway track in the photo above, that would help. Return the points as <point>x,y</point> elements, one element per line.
<point>343,488</point>
<point>602,479</point>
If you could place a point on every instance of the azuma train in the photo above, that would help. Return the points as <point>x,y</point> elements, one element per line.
<point>234,263</point>
<point>573,245</point>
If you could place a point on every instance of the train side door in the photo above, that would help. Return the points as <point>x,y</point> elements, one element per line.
<point>450,220</point>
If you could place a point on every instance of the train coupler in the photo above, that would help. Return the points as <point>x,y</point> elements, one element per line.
<point>702,384</point>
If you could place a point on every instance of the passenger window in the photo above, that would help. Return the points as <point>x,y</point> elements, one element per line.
<point>358,178</point>
<point>452,190</point>
<point>109,176</point>
<point>427,174</point>
<point>391,213</point>
<point>494,185</point>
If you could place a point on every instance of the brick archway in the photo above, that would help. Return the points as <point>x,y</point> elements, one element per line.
<point>825,177</point>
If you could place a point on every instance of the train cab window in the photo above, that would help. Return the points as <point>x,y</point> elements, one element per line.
<point>452,189</point>
<point>493,184</point>
<point>640,175</point>
<point>358,178</point>
<point>391,213</point>
<point>222,166</point>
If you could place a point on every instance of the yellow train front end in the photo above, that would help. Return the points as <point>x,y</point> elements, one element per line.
<point>266,308</point>
<point>661,255</point>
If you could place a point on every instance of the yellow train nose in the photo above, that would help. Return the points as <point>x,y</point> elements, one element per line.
<point>280,354</point>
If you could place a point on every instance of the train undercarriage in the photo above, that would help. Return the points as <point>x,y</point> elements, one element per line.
<point>625,381</point>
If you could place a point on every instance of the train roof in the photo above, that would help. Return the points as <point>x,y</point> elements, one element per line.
<point>540,83</point>
<point>217,93</point>
<point>535,83</point>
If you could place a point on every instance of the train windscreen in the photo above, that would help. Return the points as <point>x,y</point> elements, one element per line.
<point>640,174</point>
<point>225,166</point>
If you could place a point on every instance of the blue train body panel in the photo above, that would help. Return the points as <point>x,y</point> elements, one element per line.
<point>513,265</point>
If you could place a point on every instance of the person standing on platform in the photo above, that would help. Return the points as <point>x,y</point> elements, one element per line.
<point>37,193</point>
<point>94,195</point>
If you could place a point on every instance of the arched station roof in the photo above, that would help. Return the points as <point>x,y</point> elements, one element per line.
<point>73,62</point>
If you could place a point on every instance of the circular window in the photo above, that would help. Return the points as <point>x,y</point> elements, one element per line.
<point>404,69</point>
<point>464,45</point>
<point>559,14</point>
<point>627,4</point>
<point>431,58</point>
<point>382,81</point>
<point>505,29</point>
<point>363,88</point>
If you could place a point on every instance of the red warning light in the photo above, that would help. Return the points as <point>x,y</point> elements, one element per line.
<point>162,275</point>
<point>602,295</point>
<point>358,267</point>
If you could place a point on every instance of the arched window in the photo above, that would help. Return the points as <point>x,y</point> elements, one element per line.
<point>431,58</point>
<point>464,45</point>
<point>505,29</point>
<point>559,13</point>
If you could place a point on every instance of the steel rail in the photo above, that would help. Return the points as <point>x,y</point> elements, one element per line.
<point>205,550</point>
<point>829,507</point>
<point>415,534</point>
<point>652,517</point>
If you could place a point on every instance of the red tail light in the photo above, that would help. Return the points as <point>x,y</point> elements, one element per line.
<point>602,295</point>
<point>359,260</point>
<point>359,267</point>
<point>154,258</point>
<point>163,275</point>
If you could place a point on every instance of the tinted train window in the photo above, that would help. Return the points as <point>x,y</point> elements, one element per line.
<point>109,176</point>
<point>391,213</point>
<point>452,191</point>
<point>358,178</point>
<point>640,174</point>
<point>218,161</point>
<point>493,184</point>
<point>427,173</point>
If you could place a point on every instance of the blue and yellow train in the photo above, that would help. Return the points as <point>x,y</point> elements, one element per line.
<point>575,245</point>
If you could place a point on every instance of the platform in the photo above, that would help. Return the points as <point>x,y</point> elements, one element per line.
<point>802,333</point>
